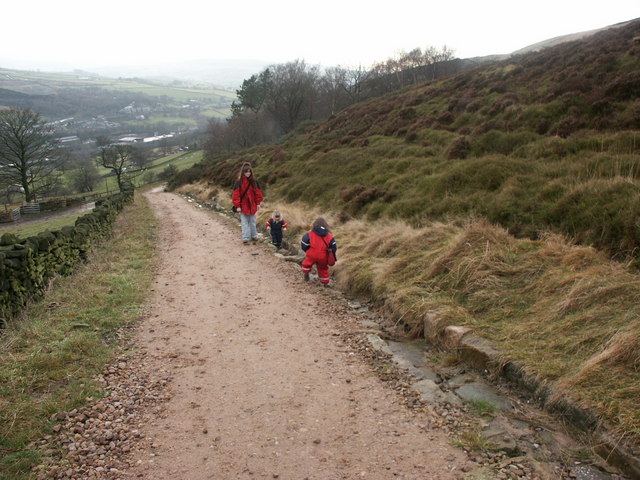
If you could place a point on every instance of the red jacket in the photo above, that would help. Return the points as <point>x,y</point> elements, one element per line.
<point>315,244</point>
<point>251,200</point>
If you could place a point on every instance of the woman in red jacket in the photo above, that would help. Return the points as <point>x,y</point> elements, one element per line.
<point>317,243</point>
<point>246,198</point>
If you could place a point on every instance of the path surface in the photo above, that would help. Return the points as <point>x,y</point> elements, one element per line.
<point>262,386</point>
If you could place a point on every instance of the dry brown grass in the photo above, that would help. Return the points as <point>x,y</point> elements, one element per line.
<point>568,313</point>
<point>201,191</point>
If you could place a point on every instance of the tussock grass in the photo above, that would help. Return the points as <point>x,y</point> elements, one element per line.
<point>202,191</point>
<point>584,186</point>
<point>474,441</point>
<point>567,312</point>
<point>50,355</point>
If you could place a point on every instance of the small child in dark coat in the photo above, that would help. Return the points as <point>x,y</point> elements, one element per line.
<point>276,224</point>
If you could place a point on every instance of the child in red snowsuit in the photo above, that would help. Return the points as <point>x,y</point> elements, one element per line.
<point>316,243</point>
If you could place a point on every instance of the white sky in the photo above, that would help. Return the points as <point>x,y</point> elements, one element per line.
<point>36,34</point>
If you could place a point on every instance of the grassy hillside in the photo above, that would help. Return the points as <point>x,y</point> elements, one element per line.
<point>505,198</point>
<point>548,140</point>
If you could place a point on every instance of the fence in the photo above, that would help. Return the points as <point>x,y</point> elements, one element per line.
<point>10,215</point>
<point>13,213</point>
<point>30,208</point>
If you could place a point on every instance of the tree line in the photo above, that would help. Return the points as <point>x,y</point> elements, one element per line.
<point>284,97</point>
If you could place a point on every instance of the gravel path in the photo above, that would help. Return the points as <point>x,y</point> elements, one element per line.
<point>243,371</point>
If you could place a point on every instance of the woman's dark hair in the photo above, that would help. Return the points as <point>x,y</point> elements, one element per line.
<point>247,166</point>
<point>320,222</point>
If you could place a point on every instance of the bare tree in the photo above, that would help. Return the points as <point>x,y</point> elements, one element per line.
<point>27,152</point>
<point>117,158</point>
<point>353,86</point>
<point>293,93</point>
<point>84,176</point>
<point>412,61</point>
<point>217,135</point>
<point>334,89</point>
<point>433,56</point>
<point>141,157</point>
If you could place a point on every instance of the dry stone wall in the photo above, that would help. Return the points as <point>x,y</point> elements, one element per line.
<point>27,265</point>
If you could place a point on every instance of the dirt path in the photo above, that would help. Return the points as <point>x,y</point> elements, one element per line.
<point>262,386</point>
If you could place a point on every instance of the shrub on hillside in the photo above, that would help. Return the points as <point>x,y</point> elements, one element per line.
<point>499,142</point>
<point>411,136</point>
<point>444,119</point>
<point>624,87</point>
<point>189,175</point>
<point>503,102</point>
<point>566,126</point>
<point>358,196</point>
<point>272,177</point>
<point>279,155</point>
<point>459,149</point>
<point>167,173</point>
<point>486,174</point>
<point>602,213</point>
<point>407,113</point>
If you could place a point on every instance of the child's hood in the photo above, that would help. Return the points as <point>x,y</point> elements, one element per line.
<point>320,231</point>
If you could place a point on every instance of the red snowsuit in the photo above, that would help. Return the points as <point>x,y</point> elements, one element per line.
<point>315,243</point>
<point>251,199</point>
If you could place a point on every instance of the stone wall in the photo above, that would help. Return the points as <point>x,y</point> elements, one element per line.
<point>27,265</point>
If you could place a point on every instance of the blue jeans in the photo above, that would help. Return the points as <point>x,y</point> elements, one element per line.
<point>248,223</point>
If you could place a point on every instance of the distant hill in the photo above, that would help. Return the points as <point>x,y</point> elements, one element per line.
<point>223,73</point>
<point>566,38</point>
<point>96,105</point>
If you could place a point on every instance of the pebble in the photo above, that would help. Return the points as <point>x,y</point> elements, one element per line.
<point>99,440</point>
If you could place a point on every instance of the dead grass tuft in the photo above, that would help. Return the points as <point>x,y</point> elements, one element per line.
<point>568,313</point>
<point>202,191</point>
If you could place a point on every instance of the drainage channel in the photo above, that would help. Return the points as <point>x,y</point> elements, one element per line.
<point>509,423</point>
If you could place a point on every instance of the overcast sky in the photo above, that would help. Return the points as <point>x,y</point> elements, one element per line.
<point>37,34</point>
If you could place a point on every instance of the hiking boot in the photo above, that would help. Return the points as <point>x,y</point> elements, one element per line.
<point>306,277</point>
<point>245,241</point>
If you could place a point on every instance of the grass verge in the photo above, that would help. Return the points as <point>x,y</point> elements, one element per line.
<point>567,313</point>
<point>51,353</point>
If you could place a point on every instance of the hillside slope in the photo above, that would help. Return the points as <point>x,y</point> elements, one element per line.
<point>494,199</point>
<point>547,140</point>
